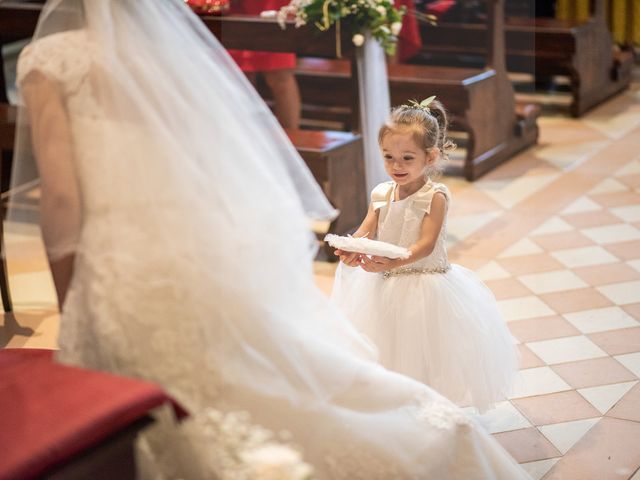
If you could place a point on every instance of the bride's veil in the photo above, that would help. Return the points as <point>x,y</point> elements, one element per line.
<point>195,156</point>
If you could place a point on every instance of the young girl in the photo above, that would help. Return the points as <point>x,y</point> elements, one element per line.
<point>431,320</point>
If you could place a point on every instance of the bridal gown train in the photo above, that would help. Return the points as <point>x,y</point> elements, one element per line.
<point>215,299</point>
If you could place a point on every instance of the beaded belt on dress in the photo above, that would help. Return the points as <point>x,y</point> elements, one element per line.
<point>415,271</point>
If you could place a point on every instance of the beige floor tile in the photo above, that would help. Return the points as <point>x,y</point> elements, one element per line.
<point>632,181</point>
<point>605,274</point>
<point>593,372</point>
<point>582,205</point>
<point>631,361</point>
<point>492,271</point>
<point>507,288</point>
<point>504,417</point>
<point>565,435</point>
<point>583,257</point>
<point>617,199</point>
<point>622,293</point>
<point>616,233</point>
<point>609,185</point>
<point>603,453</point>
<point>528,359</point>
<point>538,381</point>
<point>635,264</point>
<point>521,248</point>
<point>563,241</point>
<point>628,408</point>
<point>604,397</point>
<point>523,307</point>
<point>530,264</point>
<point>567,349</point>
<point>527,445</point>
<point>542,328</point>
<point>633,310</point>
<point>551,226</point>
<point>575,300</point>
<point>510,192</point>
<point>555,281</point>
<point>601,320</point>
<point>591,219</point>
<point>555,408</point>
<point>625,250</point>
<point>618,342</point>
<point>537,470</point>
<point>629,213</point>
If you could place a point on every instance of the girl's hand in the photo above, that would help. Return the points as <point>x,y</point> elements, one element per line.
<point>351,259</point>
<point>375,264</point>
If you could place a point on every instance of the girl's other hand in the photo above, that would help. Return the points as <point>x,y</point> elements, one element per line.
<point>375,264</point>
<point>351,259</point>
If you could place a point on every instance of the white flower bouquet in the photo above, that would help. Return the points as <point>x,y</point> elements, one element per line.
<point>355,17</point>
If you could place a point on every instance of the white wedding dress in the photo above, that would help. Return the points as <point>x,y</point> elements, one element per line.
<point>215,301</point>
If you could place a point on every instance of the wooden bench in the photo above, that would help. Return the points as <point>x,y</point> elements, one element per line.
<point>481,100</point>
<point>543,47</point>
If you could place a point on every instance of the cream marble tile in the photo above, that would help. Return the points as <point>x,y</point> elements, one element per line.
<point>33,290</point>
<point>608,185</point>
<point>492,271</point>
<point>539,469</point>
<point>520,248</point>
<point>583,257</point>
<point>631,361</point>
<point>538,381</point>
<point>631,168</point>
<point>601,319</point>
<point>582,204</point>
<point>622,293</point>
<point>508,193</point>
<point>566,349</point>
<point>568,156</point>
<point>605,396</point>
<point>612,234</point>
<point>553,225</point>
<point>629,213</point>
<point>503,418</point>
<point>524,307</point>
<point>461,226</point>
<point>634,264</point>
<point>565,435</point>
<point>555,281</point>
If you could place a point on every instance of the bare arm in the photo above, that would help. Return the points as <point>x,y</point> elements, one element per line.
<point>429,232</point>
<point>60,200</point>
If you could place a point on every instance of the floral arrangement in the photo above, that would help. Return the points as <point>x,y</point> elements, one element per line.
<point>379,17</point>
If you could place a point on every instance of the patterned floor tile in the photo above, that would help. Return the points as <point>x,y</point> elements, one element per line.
<point>556,281</point>
<point>527,445</point>
<point>583,257</point>
<point>507,288</point>
<point>575,300</point>
<point>537,470</point>
<point>568,349</point>
<point>545,328</point>
<point>555,408</point>
<point>524,307</point>
<point>562,241</point>
<point>629,213</point>
<point>551,226</point>
<point>631,361</point>
<point>612,233</point>
<point>530,264</point>
<point>622,293</point>
<point>591,219</point>
<point>492,271</point>
<point>565,435</point>
<point>593,372</point>
<point>625,250</point>
<point>618,342</point>
<point>601,319</point>
<point>528,359</point>
<point>582,205</point>
<point>617,199</point>
<point>604,397</point>
<point>521,248</point>
<point>605,274</point>
<point>609,185</point>
<point>503,418</point>
<point>633,310</point>
<point>602,453</point>
<point>627,407</point>
<point>538,381</point>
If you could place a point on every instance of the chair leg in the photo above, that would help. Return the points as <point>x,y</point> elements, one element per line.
<point>4,279</point>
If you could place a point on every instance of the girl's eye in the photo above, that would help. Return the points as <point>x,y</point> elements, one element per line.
<point>407,159</point>
<point>388,157</point>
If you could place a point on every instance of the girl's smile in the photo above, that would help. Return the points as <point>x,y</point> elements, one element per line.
<point>405,161</point>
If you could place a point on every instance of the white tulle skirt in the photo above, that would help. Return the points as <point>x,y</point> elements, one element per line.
<point>444,330</point>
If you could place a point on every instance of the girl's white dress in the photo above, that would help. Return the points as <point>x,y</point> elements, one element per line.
<point>170,286</point>
<point>431,320</point>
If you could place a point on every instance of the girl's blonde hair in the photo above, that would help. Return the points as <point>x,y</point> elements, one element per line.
<point>429,127</point>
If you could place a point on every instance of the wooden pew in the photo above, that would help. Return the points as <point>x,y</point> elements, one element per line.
<point>544,47</point>
<point>481,100</point>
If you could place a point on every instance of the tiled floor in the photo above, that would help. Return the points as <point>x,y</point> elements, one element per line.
<point>555,233</point>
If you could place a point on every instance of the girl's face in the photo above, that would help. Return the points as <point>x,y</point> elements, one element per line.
<point>404,160</point>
